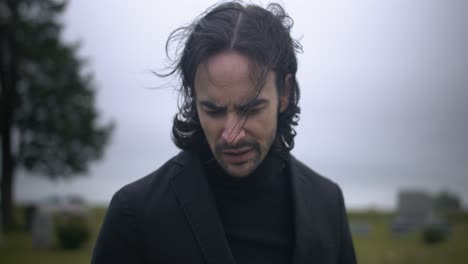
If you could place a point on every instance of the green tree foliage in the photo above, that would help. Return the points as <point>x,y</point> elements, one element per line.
<point>49,123</point>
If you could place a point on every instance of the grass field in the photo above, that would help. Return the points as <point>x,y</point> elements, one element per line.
<point>383,247</point>
<point>378,247</point>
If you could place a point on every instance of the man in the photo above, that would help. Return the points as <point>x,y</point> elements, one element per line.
<point>234,194</point>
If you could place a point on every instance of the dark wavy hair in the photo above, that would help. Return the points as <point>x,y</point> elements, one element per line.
<point>263,35</point>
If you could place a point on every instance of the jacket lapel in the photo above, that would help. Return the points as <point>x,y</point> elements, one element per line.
<point>197,202</point>
<point>199,207</point>
<point>305,225</point>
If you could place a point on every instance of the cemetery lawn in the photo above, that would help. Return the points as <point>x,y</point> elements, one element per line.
<point>17,246</point>
<point>380,246</point>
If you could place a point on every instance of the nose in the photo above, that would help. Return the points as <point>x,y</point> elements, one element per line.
<point>233,130</point>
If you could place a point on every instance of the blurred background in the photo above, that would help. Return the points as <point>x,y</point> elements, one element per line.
<point>384,114</point>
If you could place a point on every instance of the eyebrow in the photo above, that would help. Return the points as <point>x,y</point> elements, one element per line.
<point>212,106</point>
<point>251,104</point>
<point>240,108</point>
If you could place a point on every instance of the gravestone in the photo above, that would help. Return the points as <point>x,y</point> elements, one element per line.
<point>29,213</point>
<point>360,228</point>
<point>42,225</point>
<point>414,208</point>
<point>42,228</point>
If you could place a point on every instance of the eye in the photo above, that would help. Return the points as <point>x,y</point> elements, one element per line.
<point>253,110</point>
<point>214,112</point>
<point>211,109</point>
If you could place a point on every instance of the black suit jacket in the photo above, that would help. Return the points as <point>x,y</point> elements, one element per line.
<point>170,216</point>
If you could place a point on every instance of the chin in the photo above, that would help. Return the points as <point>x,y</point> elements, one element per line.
<point>240,171</point>
<point>238,174</point>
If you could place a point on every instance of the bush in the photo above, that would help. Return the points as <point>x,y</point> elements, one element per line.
<point>433,234</point>
<point>72,231</point>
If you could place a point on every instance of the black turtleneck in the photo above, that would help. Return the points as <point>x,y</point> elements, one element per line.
<point>256,211</point>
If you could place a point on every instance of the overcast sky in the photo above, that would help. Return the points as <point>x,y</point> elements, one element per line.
<point>384,94</point>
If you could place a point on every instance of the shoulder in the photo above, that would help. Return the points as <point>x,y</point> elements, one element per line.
<point>309,177</point>
<point>319,194</point>
<point>135,195</point>
<point>315,188</point>
<point>126,221</point>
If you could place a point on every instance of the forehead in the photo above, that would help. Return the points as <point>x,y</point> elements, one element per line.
<point>226,77</point>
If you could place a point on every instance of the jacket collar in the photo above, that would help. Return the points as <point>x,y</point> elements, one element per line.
<point>196,199</point>
<point>305,224</point>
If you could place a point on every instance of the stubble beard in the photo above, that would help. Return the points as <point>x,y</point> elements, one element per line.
<point>242,169</point>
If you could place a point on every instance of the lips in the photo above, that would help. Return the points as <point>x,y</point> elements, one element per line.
<point>238,156</point>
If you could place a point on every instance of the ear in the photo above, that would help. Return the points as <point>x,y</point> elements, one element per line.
<point>284,97</point>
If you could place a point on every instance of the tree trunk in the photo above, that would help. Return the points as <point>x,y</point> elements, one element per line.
<point>7,178</point>
<point>7,164</point>
<point>8,101</point>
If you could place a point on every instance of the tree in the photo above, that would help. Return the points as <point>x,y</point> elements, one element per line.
<point>49,123</point>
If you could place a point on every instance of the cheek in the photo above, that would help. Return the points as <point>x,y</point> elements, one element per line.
<point>263,127</point>
<point>210,128</point>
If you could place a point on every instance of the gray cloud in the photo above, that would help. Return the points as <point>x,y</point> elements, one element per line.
<point>384,93</point>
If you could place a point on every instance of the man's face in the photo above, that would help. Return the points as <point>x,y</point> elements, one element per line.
<point>239,126</point>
